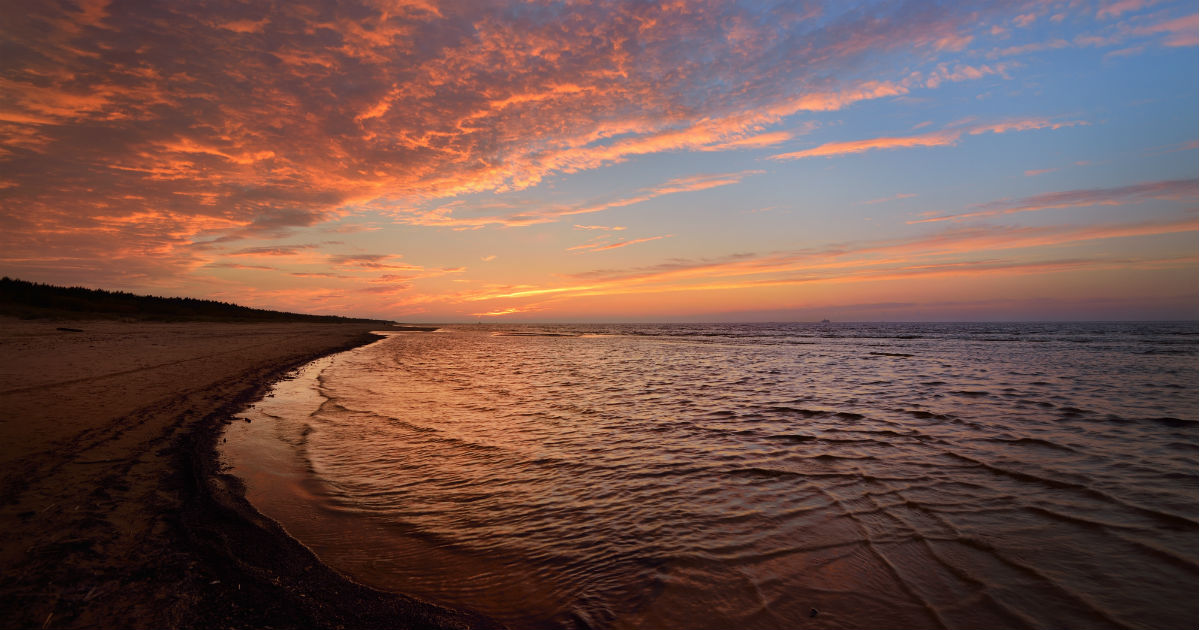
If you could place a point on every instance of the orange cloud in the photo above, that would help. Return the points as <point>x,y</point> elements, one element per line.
<point>370,261</point>
<point>828,101</point>
<point>242,267</point>
<point>286,250</point>
<point>757,141</point>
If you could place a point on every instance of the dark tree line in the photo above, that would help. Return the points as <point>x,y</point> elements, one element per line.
<point>29,300</point>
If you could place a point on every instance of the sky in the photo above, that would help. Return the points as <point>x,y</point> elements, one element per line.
<point>609,161</point>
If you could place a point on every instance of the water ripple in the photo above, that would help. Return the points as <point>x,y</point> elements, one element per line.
<point>1024,475</point>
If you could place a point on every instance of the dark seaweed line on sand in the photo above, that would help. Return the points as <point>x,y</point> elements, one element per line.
<point>266,577</point>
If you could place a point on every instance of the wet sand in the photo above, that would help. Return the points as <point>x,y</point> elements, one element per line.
<point>113,511</point>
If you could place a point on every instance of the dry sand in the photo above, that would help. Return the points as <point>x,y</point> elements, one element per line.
<point>113,512</point>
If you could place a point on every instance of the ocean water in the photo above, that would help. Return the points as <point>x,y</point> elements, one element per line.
<point>750,476</point>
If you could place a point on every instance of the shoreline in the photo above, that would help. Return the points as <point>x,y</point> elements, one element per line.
<point>158,535</point>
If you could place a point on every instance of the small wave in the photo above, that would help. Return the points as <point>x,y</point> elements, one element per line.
<point>559,463</point>
<point>757,471</point>
<point>972,393</point>
<point>466,445</point>
<point>416,428</point>
<point>795,437</point>
<point>890,354</point>
<point>926,415</point>
<point>669,470</point>
<point>1169,421</point>
<point>891,433</point>
<point>1028,441</point>
<point>1187,564</point>
<point>536,334</point>
<point>1075,519</point>
<point>807,413</point>
<point>830,457</point>
<point>1173,520</point>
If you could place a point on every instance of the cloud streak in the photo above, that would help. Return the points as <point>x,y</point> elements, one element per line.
<point>947,137</point>
<point>938,254</point>
<point>1171,190</point>
<point>605,246</point>
<point>832,149</point>
<point>443,216</point>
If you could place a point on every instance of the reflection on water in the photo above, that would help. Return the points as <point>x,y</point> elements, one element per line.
<point>742,476</point>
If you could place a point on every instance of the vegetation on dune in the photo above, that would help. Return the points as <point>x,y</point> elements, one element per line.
<point>30,300</point>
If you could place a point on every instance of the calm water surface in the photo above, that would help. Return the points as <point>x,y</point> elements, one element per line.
<point>676,476</point>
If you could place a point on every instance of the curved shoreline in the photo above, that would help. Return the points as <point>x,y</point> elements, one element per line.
<point>267,561</point>
<point>114,510</point>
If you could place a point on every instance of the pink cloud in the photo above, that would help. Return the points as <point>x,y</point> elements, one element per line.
<point>944,73</point>
<point>1025,19</point>
<point>830,149</point>
<point>604,246</point>
<point>443,216</point>
<point>945,137</point>
<point>1180,31</point>
<point>1022,124</point>
<point>1174,190</point>
<point>1024,49</point>
<point>1115,9</point>
<point>599,227</point>
<point>894,197</point>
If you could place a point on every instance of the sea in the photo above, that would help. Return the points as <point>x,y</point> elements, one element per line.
<point>794,475</point>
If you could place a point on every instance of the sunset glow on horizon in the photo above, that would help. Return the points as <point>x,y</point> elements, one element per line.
<point>578,161</point>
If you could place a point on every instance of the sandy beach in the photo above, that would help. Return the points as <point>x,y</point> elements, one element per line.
<point>113,511</point>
